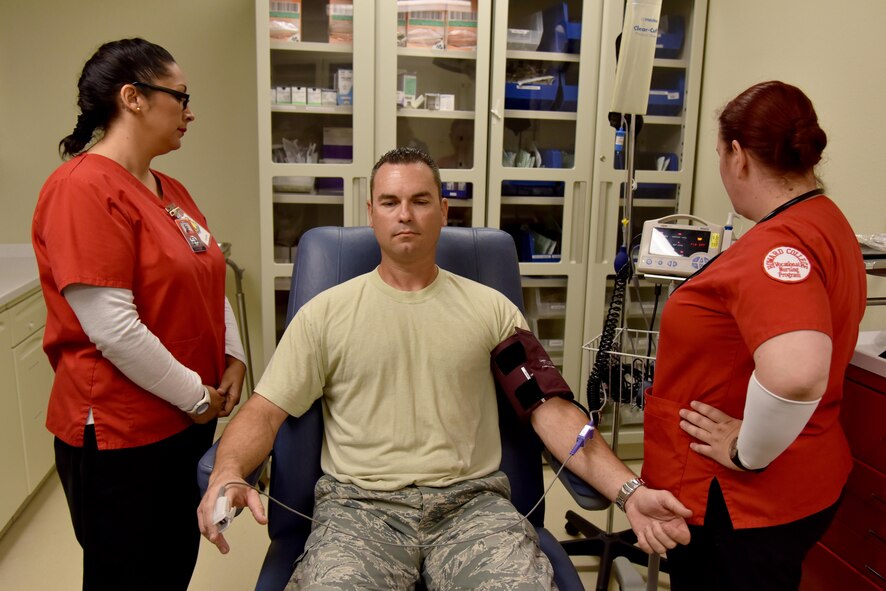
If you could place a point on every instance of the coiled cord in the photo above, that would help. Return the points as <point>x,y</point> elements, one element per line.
<point>596,396</point>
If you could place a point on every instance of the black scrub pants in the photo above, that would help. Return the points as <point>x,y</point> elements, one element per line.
<point>134,510</point>
<point>721,558</point>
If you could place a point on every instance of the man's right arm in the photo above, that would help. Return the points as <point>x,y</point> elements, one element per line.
<point>245,444</point>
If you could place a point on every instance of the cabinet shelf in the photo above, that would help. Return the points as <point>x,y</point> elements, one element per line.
<point>321,169</point>
<point>311,46</point>
<point>543,281</point>
<point>662,120</point>
<point>542,56</point>
<point>437,53</point>
<point>308,199</point>
<point>669,63</point>
<point>552,201</point>
<point>336,110</point>
<point>453,202</point>
<point>283,283</point>
<point>551,115</point>
<point>429,114</point>
<point>652,203</point>
<point>541,268</point>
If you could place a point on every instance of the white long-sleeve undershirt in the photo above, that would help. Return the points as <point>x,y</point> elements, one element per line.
<point>110,319</point>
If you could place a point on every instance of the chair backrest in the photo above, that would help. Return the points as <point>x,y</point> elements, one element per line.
<point>328,256</point>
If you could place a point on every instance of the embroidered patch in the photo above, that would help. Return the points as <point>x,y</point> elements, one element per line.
<point>787,264</point>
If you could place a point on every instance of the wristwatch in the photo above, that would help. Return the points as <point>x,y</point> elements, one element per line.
<point>733,455</point>
<point>202,405</point>
<point>627,489</point>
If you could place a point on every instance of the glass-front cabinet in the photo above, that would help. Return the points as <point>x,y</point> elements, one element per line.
<point>432,92</point>
<point>315,148</point>
<point>543,97</point>
<point>510,98</point>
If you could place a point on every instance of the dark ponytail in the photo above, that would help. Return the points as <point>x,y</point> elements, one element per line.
<point>114,64</point>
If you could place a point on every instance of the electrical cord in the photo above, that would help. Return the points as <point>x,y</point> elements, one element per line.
<point>586,434</point>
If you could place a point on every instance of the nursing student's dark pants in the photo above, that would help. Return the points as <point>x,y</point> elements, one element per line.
<point>758,559</point>
<point>134,510</point>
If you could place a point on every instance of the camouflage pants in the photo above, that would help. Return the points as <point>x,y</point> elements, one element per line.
<point>457,527</point>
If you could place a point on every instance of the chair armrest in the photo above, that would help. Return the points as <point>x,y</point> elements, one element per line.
<point>206,463</point>
<point>586,496</point>
<point>565,574</point>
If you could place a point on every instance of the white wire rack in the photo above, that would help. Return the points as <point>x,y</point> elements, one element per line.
<point>629,371</point>
<point>630,367</point>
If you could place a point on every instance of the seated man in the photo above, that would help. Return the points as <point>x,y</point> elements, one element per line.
<point>401,358</point>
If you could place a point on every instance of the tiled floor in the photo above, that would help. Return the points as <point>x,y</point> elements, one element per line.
<point>39,550</point>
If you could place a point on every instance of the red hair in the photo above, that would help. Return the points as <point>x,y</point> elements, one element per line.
<point>777,123</point>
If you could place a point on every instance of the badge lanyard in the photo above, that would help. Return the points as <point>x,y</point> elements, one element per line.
<point>195,235</point>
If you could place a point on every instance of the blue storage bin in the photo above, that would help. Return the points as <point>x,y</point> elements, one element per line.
<point>551,158</point>
<point>457,190</point>
<point>573,37</point>
<point>569,100</point>
<point>533,97</point>
<point>654,191</point>
<point>533,188</point>
<point>553,36</point>
<point>668,101</point>
<point>670,37</point>
<point>526,250</point>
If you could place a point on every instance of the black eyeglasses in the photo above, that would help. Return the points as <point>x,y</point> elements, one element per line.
<point>184,97</point>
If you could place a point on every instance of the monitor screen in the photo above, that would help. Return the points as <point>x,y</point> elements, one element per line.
<point>679,242</point>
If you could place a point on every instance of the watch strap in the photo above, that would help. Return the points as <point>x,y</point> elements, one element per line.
<point>733,455</point>
<point>202,404</point>
<point>628,489</point>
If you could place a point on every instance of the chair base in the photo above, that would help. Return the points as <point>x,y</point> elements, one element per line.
<point>608,546</point>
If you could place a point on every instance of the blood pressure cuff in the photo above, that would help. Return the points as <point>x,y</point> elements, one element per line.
<point>525,373</point>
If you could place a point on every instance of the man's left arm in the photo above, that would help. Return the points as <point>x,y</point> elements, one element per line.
<point>656,516</point>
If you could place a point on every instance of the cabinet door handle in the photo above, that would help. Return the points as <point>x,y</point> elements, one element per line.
<point>876,535</point>
<point>496,111</point>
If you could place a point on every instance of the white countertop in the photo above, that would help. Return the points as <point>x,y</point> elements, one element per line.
<point>867,352</point>
<point>18,272</point>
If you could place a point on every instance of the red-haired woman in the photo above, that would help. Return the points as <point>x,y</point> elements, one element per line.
<point>774,323</point>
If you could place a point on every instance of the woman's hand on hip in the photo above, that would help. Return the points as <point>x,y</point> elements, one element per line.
<point>715,429</point>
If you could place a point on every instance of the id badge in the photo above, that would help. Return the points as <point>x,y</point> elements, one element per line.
<point>196,235</point>
<point>191,235</point>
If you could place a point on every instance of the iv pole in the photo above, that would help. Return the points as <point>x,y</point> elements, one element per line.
<point>633,79</point>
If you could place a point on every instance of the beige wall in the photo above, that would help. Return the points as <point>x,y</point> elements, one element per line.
<point>835,52</point>
<point>42,50</point>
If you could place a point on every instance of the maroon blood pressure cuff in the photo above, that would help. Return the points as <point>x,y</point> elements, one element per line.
<point>525,373</point>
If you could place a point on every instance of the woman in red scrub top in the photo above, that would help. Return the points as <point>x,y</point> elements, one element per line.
<point>143,342</point>
<point>742,423</point>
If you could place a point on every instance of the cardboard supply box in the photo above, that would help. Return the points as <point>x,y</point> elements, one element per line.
<point>341,21</point>
<point>425,23</point>
<point>401,24</point>
<point>461,25</point>
<point>408,85</point>
<point>344,86</point>
<point>283,95</point>
<point>285,20</point>
<point>315,97</point>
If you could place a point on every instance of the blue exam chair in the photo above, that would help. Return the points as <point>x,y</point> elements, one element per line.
<point>326,257</point>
